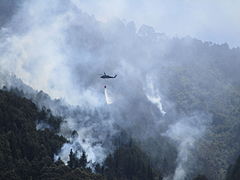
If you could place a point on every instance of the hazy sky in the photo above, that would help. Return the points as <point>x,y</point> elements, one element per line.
<point>213,20</point>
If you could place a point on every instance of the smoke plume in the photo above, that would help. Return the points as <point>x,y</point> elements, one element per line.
<point>54,47</point>
<point>153,95</point>
<point>185,133</point>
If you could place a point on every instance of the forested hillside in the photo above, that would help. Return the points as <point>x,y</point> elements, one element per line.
<point>172,112</point>
<point>212,86</point>
<point>27,152</point>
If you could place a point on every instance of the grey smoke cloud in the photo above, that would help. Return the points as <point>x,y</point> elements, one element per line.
<point>61,50</point>
<point>185,133</point>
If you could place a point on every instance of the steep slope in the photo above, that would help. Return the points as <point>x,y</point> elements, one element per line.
<point>61,50</point>
<point>28,153</point>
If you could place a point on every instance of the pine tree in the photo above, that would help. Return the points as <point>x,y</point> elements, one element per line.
<point>72,160</point>
<point>200,177</point>
<point>59,162</point>
<point>98,168</point>
<point>83,160</point>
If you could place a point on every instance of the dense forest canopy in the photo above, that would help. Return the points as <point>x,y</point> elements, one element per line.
<point>28,153</point>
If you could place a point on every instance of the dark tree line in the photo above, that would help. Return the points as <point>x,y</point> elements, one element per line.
<point>128,161</point>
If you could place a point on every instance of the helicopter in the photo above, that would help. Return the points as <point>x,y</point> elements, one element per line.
<point>105,76</point>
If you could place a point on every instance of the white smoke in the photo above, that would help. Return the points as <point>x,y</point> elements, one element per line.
<point>39,56</point>
<point>153,94</point>
<point>59,49</point>
<point>41,53</point>
<point>42,126</point>
<point>185,133</point>
<point>95,151</point>
<point>94,130</point>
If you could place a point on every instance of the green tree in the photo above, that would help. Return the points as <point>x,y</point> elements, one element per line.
<point>83,160</point>
<point>200,177</point>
